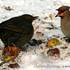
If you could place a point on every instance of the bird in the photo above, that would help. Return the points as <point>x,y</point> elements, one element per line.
<point>64,14</point>
<point>15,33</point>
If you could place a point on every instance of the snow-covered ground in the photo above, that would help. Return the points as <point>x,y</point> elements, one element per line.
<point>36,58</point>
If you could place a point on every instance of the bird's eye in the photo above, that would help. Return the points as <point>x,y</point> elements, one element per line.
<point>61,11</point>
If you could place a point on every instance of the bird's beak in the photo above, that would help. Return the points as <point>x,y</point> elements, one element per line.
<point>57,15</point>
<point>36,17</point>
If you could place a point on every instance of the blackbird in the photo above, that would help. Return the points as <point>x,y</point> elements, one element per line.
<point>64,14</point>
<point>15,33</point>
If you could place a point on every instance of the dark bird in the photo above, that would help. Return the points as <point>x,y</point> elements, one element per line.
<point>15,33</point>
<point>64,13</point>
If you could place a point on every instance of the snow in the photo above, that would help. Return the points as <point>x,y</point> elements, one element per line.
<point>34,59</point>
